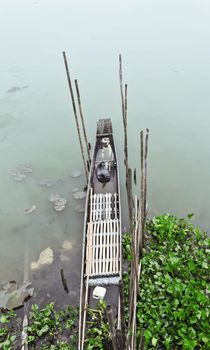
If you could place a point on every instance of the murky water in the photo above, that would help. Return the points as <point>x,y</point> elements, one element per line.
<point>166,50</point>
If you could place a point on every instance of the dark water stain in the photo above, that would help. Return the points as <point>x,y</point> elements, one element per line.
<point>16,88</point>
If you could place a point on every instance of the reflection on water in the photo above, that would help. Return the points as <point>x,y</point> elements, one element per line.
<point>165,52</point>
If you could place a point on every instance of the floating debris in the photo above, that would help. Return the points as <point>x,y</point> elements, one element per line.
<point>53,197</point>
<point>64,258</point>
<point>75,189</point>
<point>31,209</point>
<point>21,172</point>
<point>45,258</point>
<point>75,173</point>
<point>20,177</point>
<point>79,195</point>
<point>12,297</point>
<point>67,245</point>
<point>79,208</point>
<point>16,88</point>
<point>45,183</point>
<point>60,204</point>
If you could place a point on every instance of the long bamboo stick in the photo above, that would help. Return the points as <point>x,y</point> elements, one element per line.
<point>24,342</point>
<point>121,88</point>
<point>82,120</point>
<point>75,112</point>
<point>145,171</point>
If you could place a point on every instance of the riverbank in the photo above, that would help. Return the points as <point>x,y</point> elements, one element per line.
<point>172,305</point>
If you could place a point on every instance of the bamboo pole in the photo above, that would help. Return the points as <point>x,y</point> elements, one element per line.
<point>121,88</point>
<point>142,185</point>
<point>75,113</point>
<point>145,171</point>
<point>82,120</point>
<point>122,311</point>
<point>24,335</point>
<point>128,173</point>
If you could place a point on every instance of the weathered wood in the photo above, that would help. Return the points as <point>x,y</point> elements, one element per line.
<point>122,312</point>
<point>24,336</point>
<point>128,172</point>
<point>82,120</point>
<point>75,113</point>
<point>120,341</point>
<point>110,317</point>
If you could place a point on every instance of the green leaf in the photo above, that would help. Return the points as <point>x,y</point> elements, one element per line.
<point>190,215</point>
<point>170,289</point>
<point>204,265</point>
<point>4,319</point>
<point>147,335</point>
<point>154,341</point>
<point>189,344</point>
<point>205,339</point>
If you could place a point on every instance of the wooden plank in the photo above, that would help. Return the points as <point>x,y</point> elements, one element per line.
<point>103,235</point>
<point>111,250</point>
<point>94,207</point>
<point>115,205</point>
<point>118,243</point>
<point>100,250</point>
<point>94,252</point>
<point>107,249</point>
<point>101,206</point>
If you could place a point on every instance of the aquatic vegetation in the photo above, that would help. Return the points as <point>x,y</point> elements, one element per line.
<point>79,195</point>
<point>21,172</point>
<point>97,333</point>
<point>75,173</point>
<point>60,204</point>
<point>9,330</point>
<point>48,328</point>
<point>173,303</point>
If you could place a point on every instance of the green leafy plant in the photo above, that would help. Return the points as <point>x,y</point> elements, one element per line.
<point>8,334</point>
<point>173,304</point>
<point>47,326</point>
<point>98,329</point>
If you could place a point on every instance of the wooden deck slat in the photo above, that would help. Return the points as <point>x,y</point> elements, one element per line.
<point>103,236</point>
<point>103,247</point>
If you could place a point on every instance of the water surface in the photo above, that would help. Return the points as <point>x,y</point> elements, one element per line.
<point>166,49</point>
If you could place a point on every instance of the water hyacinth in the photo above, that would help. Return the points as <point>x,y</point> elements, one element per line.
<point>79,195</point>
<point>21,172</point>
<point>60,204</point>
<point>75,173</point>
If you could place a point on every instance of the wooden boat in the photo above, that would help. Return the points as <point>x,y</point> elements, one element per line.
<point>101,260</point>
